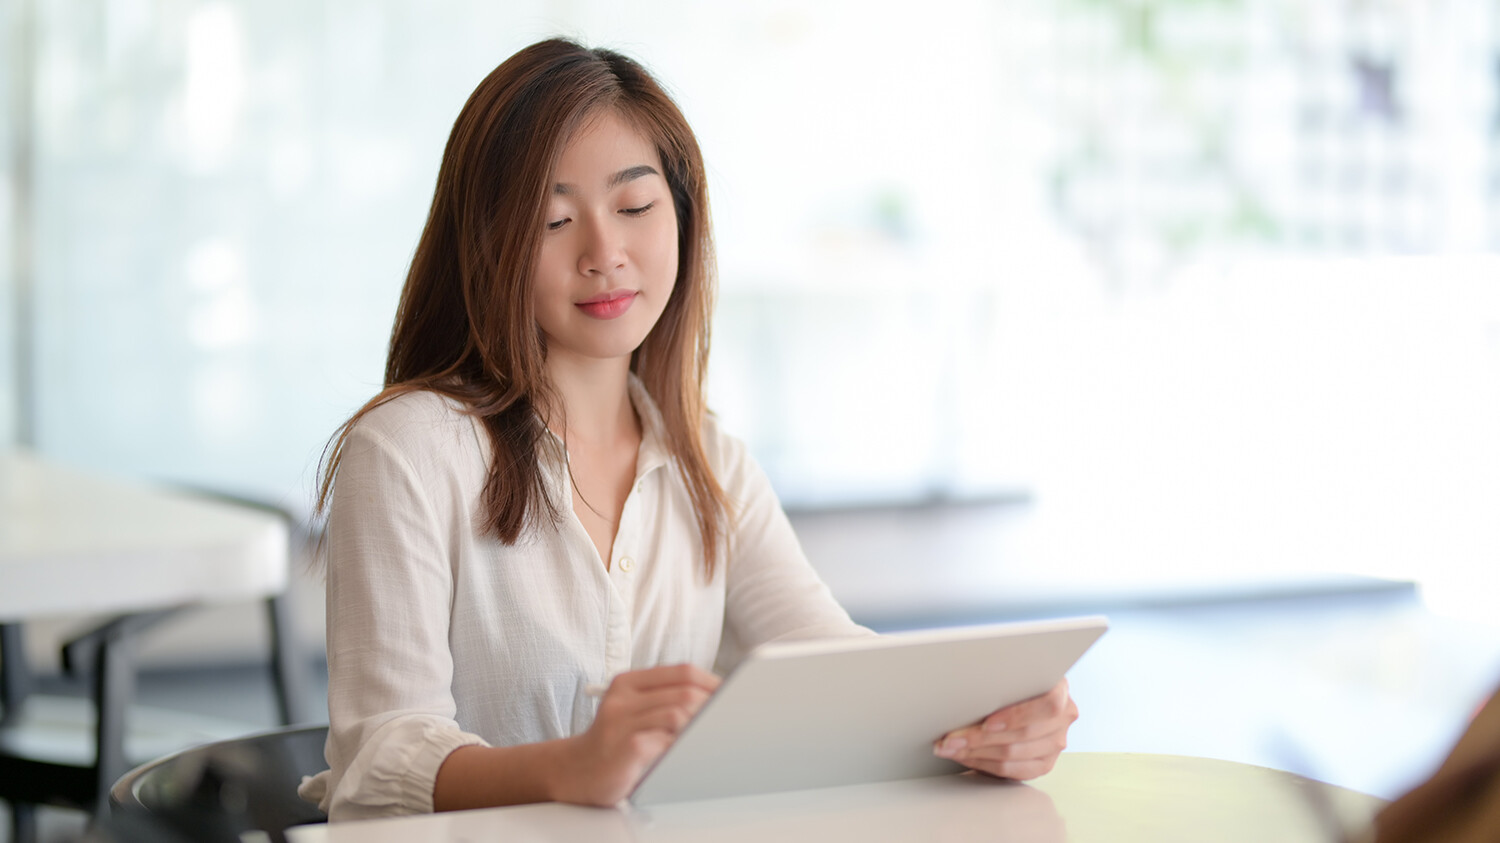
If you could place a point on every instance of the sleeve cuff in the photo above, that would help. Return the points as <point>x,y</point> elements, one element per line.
<point>420,773</point>
<point>395,772</point>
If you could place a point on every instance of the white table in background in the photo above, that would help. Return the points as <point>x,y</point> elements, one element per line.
<point>75,543</point>
<point>1088,798</point>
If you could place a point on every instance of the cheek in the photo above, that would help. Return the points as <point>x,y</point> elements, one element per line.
<point>548,260</point>
<point>554,267</point>
<point>664,253</point>
<point>548,294</point>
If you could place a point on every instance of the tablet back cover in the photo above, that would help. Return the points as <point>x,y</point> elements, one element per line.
<point>848,711</point>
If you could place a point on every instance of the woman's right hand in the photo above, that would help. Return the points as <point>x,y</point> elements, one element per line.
<point>639,716</point>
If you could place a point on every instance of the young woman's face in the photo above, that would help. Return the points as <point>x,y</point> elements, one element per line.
<point>608,260</point>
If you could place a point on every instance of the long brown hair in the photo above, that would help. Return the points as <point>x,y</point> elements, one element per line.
<point>465,326</point>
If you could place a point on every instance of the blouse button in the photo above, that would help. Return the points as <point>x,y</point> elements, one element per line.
<point>626,564</point>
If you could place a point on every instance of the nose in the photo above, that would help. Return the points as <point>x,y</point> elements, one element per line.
<point>603,248</point>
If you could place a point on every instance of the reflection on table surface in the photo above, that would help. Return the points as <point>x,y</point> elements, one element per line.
<point>1089,797</point>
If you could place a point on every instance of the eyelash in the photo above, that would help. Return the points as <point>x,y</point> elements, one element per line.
<point>629,212</point>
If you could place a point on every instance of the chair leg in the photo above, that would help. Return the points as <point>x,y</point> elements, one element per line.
<point>22,822</point>
<point>114,687</point>
<point>15,675</point>
<point>15,686</point>
<point>288,664</point>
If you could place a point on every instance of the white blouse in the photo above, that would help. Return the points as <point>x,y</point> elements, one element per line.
<point>440,636</point>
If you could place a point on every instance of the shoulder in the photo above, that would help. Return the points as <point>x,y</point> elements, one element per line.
<point>719,443</point>
<point>420,426</point>
<point>728,456</point>
<point>414,415</point>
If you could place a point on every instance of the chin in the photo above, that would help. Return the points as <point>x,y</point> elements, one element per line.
<point>604,350</point>
<point>595,341</point>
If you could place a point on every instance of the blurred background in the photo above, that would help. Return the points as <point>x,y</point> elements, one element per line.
<point>1183,310</point>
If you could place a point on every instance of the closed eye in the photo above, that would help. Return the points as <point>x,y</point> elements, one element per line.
<point>556,224</point>
<point>635,212</point>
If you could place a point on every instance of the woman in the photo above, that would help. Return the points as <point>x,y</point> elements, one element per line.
<point>538,504</point>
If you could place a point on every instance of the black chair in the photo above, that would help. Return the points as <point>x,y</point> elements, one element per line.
<point>217,791</point>
<point>103,657</point>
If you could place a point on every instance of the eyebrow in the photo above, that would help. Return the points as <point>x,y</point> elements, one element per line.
<point>628,174</point>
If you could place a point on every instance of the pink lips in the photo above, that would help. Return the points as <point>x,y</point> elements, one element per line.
<point>607,305</point>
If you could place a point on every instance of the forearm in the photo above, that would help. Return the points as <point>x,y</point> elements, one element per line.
<point>639,716</point>
<point>486,776</point>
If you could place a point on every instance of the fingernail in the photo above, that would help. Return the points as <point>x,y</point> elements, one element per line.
<point>952,745</point>
<point>994,726</point>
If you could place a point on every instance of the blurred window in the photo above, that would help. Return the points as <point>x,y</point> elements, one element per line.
<point>1150,262</point>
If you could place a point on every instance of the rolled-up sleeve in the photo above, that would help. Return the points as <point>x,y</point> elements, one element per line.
<point>390,596</point>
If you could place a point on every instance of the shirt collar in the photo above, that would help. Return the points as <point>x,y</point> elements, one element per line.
<point>653,453</point>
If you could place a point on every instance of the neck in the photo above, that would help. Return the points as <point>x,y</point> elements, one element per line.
<point>595,398</point>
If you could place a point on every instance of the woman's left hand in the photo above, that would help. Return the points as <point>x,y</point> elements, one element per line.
<point>1020,741</point>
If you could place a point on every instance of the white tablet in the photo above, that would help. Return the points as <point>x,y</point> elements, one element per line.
<point>852,710</point>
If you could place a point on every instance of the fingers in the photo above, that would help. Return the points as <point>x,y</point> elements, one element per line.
<point>666,677</point>
<point>1018,760</point>
<point>1024,721</point>
<point>1020,741</point>
<point>664,698</point>
<point>1018,770</point>
<point>963,745</point>
<point>1047,747</point>
<point>669,720</point>
<point>1006,729</point>
<point>1038,709</point>
<point>667,707</point>
<point>640,714</point>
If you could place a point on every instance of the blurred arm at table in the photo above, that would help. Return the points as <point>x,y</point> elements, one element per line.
<point>1460,803</point>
